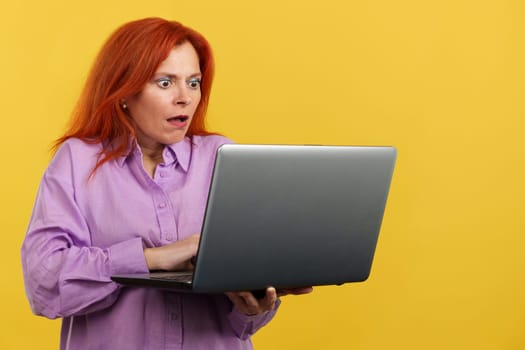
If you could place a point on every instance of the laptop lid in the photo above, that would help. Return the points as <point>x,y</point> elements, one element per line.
<point>292,216</point>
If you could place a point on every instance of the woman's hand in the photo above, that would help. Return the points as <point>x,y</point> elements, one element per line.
<point>248,304</point>
<point>294,291</point>
<point>174,256</point>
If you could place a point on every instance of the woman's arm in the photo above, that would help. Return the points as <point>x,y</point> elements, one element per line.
<point>64,274</point>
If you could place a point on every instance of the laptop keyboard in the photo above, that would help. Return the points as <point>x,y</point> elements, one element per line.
<point>183,277</point>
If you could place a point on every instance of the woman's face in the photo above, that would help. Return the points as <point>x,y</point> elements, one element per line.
<point>162,112</point>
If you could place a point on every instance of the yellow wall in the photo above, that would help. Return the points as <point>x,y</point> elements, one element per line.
<point>441,80</point>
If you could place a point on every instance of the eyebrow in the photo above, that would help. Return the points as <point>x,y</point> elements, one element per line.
<point>175,76</point>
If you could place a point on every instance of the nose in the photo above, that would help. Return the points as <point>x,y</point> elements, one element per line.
<point>183,96</point>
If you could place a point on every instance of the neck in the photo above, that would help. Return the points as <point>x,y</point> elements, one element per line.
<point>151,158</point>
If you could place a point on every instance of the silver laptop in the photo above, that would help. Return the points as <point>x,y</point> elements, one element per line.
<point>286,216</point>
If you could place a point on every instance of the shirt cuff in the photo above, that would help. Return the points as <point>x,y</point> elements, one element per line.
<point>127,257</point>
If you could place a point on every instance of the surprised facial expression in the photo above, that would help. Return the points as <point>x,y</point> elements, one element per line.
<point>162,112</point>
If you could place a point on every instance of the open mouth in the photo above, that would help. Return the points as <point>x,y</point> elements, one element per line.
<point>178,119</point>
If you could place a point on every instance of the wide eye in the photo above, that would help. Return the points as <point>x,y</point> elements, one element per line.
<point>164,83</point>
<point>194,83</point>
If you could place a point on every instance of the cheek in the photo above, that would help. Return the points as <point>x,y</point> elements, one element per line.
<point>146,106</point>
<point>197,102</point>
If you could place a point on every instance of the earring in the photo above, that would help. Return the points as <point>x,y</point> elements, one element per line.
<point>124,105</point>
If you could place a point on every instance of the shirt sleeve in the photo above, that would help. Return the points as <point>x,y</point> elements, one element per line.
<point>245,326</point>
<point>64,275</point>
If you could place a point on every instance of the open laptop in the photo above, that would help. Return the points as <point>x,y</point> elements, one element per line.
<point>286,216</point>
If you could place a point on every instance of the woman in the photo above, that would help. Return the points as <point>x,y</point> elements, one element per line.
<point>125,193</point>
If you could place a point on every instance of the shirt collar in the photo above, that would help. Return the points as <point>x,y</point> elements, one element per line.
<point>179,152</point>
<point>132,149</point>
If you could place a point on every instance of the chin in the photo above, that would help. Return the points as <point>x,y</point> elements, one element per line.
<point>175,139</point>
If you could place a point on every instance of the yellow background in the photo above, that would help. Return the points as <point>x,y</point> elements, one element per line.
<point>443,81</point>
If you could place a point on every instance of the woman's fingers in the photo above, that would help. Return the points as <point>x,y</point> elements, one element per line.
<point>294,291</point>
<point>246,303</point>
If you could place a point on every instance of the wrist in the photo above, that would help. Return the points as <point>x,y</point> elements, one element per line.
<point>150,256</point>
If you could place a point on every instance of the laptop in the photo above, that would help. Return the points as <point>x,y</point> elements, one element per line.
<point>286,216</point>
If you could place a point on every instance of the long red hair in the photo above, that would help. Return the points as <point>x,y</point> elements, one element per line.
<point>128,59</point>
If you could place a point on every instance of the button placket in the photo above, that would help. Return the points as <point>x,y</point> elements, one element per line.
<point>165,216</point>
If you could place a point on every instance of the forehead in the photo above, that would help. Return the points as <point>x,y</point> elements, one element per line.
<point>182,58</point>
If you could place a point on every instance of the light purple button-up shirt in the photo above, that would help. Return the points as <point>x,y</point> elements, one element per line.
<point>83,230</point>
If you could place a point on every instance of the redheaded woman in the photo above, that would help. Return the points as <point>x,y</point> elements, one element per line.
<point>125,193</point>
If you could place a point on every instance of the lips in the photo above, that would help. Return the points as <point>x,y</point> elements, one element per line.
<point>179,120</point>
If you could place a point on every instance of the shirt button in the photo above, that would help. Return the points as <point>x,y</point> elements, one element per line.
<point>163,174</point>
<point>162,205</point>
<point>169,237</point>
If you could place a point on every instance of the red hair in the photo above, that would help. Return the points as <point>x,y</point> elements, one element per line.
<point>128,59</point>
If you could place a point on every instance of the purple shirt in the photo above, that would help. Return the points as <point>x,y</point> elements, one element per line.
<point>84,230</point>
